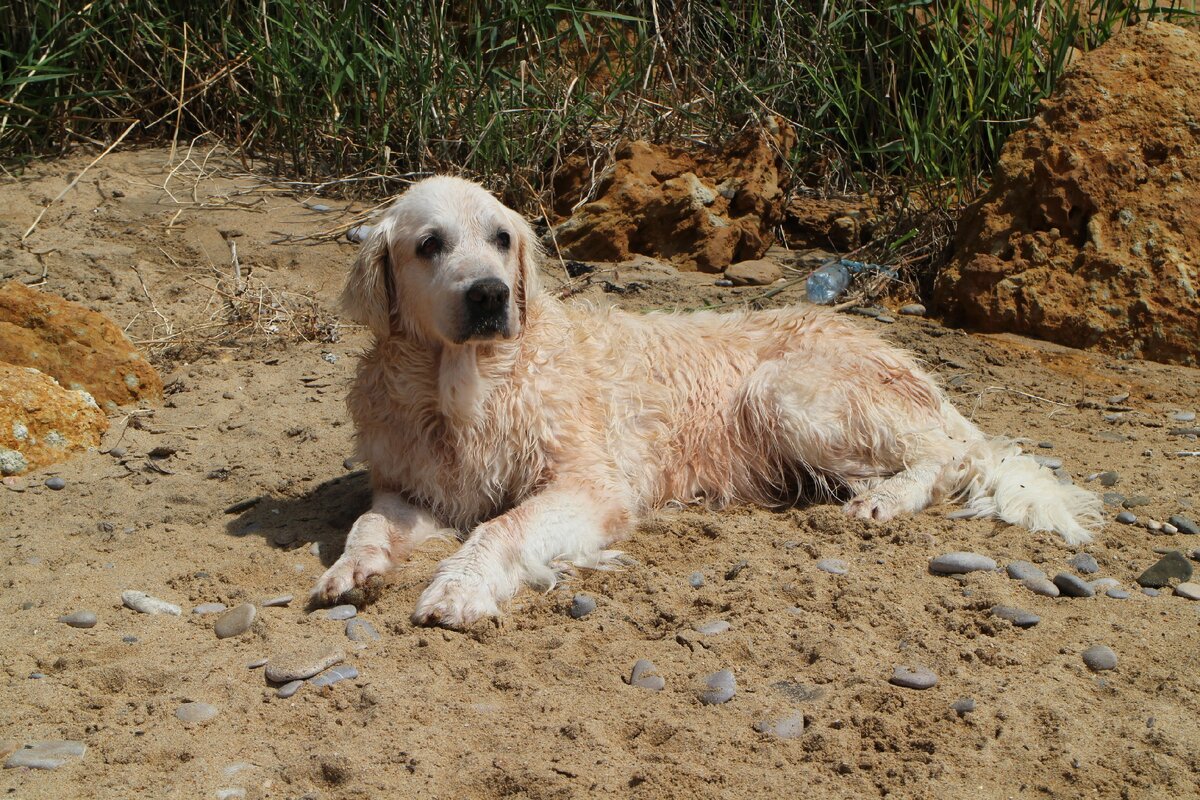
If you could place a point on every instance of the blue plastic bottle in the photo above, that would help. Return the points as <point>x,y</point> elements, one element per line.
<point>827,283</point>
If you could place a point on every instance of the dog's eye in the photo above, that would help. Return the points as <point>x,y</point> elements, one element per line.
<point>429,246</point>
<point>503,240</point>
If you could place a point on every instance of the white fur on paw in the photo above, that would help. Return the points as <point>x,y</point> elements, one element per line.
<point>349,571</point>
<point>455,600</point>
<point>873,506</point>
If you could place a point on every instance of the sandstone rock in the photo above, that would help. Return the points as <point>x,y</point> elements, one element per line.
<point>838,224</point>
<point>700,211</point>
<point>1088,235</point>
<point>79,348</point>
<point>758,272</point>
<point>42,423</point>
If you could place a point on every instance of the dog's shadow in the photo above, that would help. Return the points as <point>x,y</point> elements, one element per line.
<point>321,516</point>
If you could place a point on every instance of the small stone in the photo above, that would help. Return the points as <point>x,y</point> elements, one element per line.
<point>919,678</point>
<point>1153,525</point>
<point>56,484</point>
<point>117,452</point>
<point>360,233</point>
<point>320,208</point>
<point>1136,500</point>
<point>208,608</point>
<point>79,619</point>
<point>46,755</point>
<point>834,566</point>
<point>959,562</point>
<point>340,613</point>
<point>887,318</point>
<point>332,676</point>
<point>360,630</point>
<point>1018,617</point>
<point>1085,563</point>
<point>256,663</point>
<point>696,580</point>
<point>288,689</point>
<point>1117,594</point>
<point>235,621</point>
<point>721,687</point>
<point>196,713</point>
<point>231,793</point>
<point>1113,498</point>
<point>1043,586</point>
<point>1183,524</point>
<point>1022,570</point>
<point>1127,517</point>
<point>1150,592</point>
<point>281,600</point>
<point>759,272</point>
<point>581,606</point>
<point>963,705</point>
<point>1174,566</point>
<point>913,310</point>
<point>641,676</point>
<point>1117,399</point>
<point>713,627</point>
<point>736,569</point>
<point>1184,416</point>
<point>789,727</point>
<point>1104,583</point>
<point>300,665</point>
<point>1189,590</point>
<point>1071,586</point>
<point>1169,529</point>
<point>1108,478</point>
<point>1049,462</point>
<point>1099,658</point>
<point>145,604</point>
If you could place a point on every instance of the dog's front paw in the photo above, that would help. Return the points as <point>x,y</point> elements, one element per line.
<point>456,600</point>
<point>875,506</point>
<point>354,570</point>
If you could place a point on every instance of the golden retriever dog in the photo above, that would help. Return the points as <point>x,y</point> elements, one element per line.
<point>540,432</point>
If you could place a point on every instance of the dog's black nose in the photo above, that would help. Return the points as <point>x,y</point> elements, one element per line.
<point>486,297</point>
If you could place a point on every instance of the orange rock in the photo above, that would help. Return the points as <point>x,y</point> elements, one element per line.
<point>42,423</point>
<point>79,348</point>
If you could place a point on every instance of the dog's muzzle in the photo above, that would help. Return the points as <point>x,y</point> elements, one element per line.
<point>486,304</point>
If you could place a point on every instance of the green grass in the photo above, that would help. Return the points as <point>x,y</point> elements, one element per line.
<point>506,90</point>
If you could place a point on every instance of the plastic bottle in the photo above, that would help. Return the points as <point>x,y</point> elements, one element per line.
<point>827,283</point>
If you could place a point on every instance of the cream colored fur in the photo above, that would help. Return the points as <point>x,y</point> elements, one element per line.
<point>546,446</point>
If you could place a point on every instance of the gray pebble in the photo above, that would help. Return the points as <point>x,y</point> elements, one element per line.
<point>1100,657</point>
<point>1071,586</point>
<point>1150,592</point>
<point>320,208</point>
<point>117,452</point>
<point>913,310</point>
<point>834,566</point>
<point>1085,563</point>
<point>1020,570</point>
<point>256,663</point>
<point>281,600</point>
<point>1184,524</point>
<point>1189,590</point>
<point>332,676</point>
<point>145,604</point>
<point>963,705</point>
<point>46,754</point>
<point>56,483</point>
<point>1136,500</point>
<point>288,689</point>
<point>723,282</point>
<point>1104,583</point>
<point>360,630</point>
<point>1113,498</point>
<point>641,676</point>
<point>79,619</point>
<point>1117,594</point>
<point>960,562</point>
<point>581,606</point>
<point>341,612</point>
<point>789,727</point>
<point>209,608</point>
<point>1046,445</point>
<point>1184,416</point>
<point>1108,478</point>
<point>1169,529</point>
<point>360,233</point>
<point>919,678</point>
<point>696,580</point>
<point>36,676</point>
<point>1174,566</point>
<point>235,621</point>
<point>299,666</point>
<point>1018,617</point>
<point>348,464</point>
<point>1153,525</point>
<point>712,627</point>
<point>1043,586</point>
<point>1049,462</point>
<point>1127,518</point>
<point>196,713</point>
<point>721,687</point>
<point>887,318</point>
<point>1117,399</point>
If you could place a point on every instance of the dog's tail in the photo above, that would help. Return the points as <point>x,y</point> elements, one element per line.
<point>995,479</point>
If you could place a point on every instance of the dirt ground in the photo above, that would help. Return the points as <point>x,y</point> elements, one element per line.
<point>537,707</point>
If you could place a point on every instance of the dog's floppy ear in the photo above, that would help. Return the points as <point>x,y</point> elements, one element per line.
<point>529,255</point>
<point>369,296</point>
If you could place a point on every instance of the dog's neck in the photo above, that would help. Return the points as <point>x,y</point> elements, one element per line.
<point>467,375</point>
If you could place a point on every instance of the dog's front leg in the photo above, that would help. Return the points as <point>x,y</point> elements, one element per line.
<point>565,522</point>
<point>380,539</point>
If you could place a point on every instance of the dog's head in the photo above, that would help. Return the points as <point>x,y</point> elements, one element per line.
<point>448,263</point>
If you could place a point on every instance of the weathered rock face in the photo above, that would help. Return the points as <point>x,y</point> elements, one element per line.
<point>42,423</point>
<point>699,211</point>
<point>1089,236</point>
<point>77,347</point>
